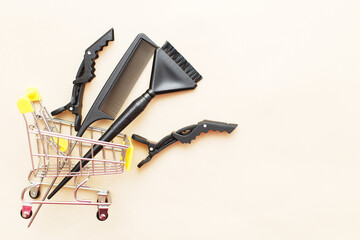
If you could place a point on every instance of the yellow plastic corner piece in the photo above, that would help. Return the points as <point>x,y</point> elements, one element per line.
<point>129,155</point>
<point>33,94</point>
<point>24,105</point>
<point>62,143</point>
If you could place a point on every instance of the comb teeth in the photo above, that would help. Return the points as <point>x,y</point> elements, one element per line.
<point>181,61</point>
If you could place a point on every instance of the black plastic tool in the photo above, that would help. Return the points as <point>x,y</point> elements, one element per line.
<point>183,135</point>
<point>170,73</point>
<point>121,81</point>
<point>85,74</point>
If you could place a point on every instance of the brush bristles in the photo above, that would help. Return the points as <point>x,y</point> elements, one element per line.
<point>181,61</point>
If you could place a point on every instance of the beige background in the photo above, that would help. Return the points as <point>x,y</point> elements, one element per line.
<point>286,71</point>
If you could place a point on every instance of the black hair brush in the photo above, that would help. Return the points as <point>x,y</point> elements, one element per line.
<point>171,72</point>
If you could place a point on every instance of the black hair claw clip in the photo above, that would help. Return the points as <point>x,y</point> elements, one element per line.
<point>85,74</point>
<point>183,135</point>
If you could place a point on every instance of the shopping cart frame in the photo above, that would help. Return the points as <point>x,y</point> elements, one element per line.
<point>56,153</point>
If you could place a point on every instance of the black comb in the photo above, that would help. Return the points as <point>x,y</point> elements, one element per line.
<point>121,81</point>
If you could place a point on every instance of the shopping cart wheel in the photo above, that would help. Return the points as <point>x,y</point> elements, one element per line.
<point>26,214</point>
<point>103,216</point>
<point>26,211</point>
<point>34,194</point>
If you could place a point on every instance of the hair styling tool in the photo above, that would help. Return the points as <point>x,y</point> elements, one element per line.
<point>116,89</point>
<point>170,73</point>
<point>183,135</point>
<point>85,74</point>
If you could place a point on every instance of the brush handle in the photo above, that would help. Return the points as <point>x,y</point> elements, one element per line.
<point>130,113</point>
<point>134,110</point>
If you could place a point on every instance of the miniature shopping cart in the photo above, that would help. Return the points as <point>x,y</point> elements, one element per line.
<point>54,151</point>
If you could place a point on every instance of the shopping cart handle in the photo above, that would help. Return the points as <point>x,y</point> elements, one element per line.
<point>183,135</point>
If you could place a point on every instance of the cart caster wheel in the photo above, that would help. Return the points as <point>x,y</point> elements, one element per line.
<point>31,194</point>
<point>101,217</point>
<point>25,215</point>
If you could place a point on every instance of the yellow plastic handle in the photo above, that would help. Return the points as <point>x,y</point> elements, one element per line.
<point>24,105</point>
<point>129,155</point>
<point>33,94</point>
